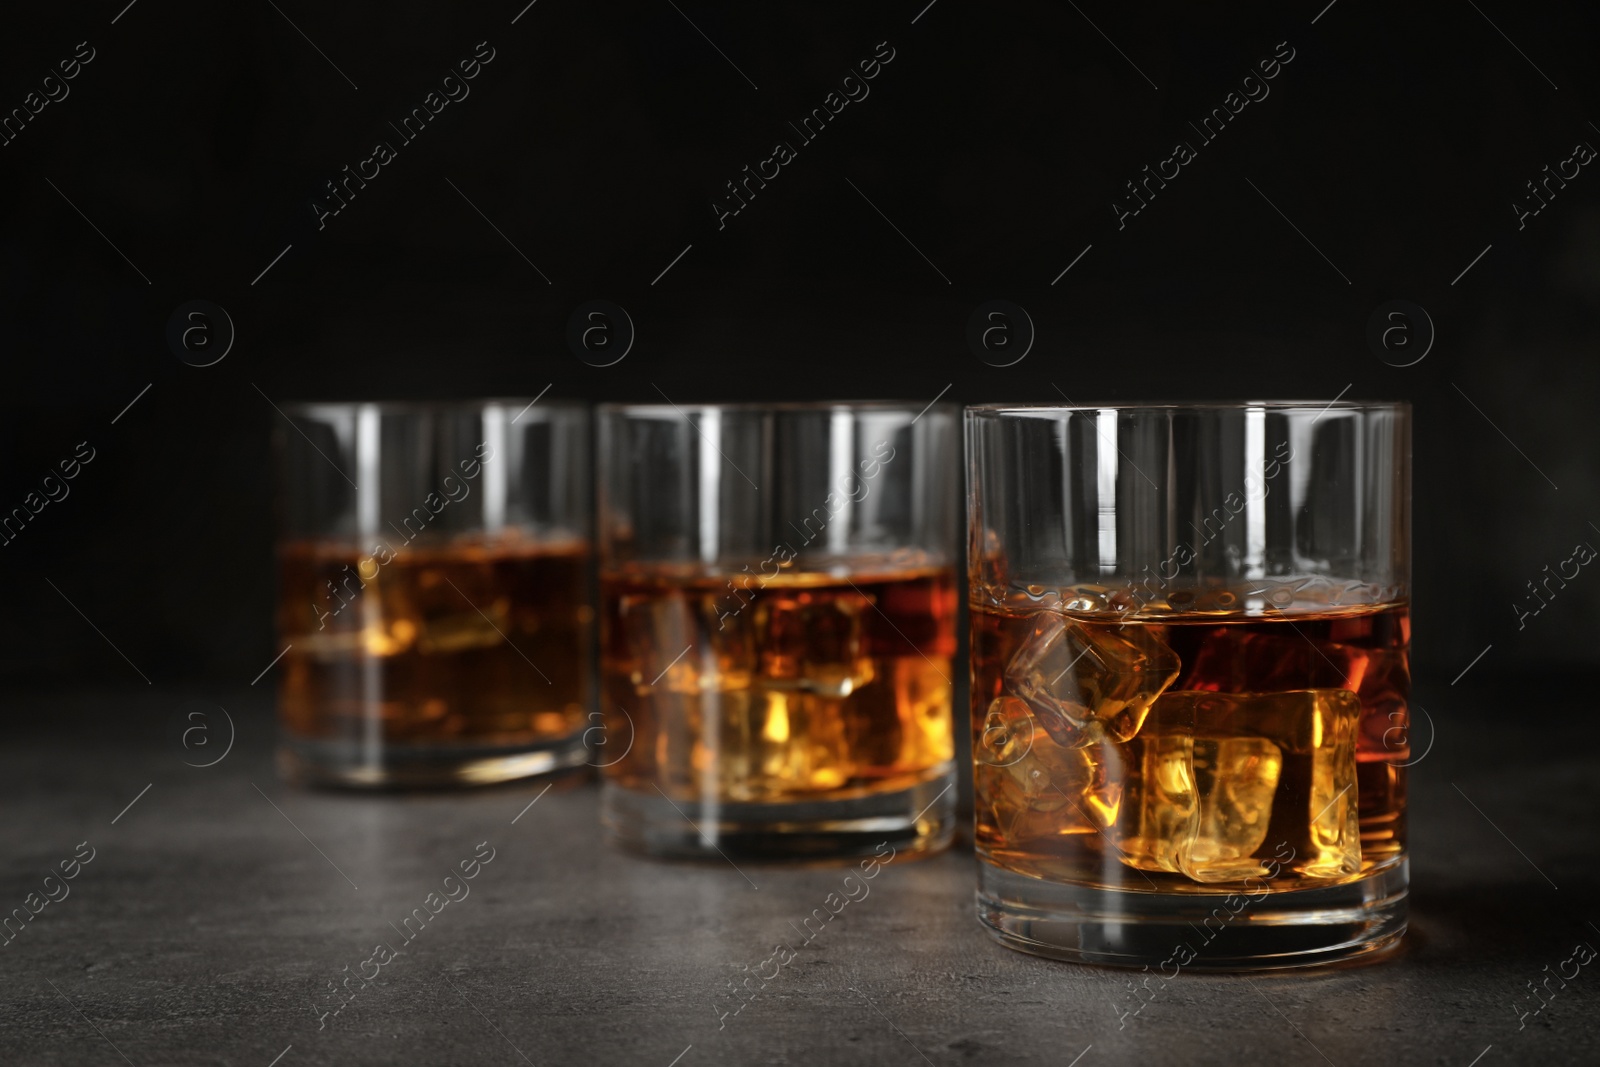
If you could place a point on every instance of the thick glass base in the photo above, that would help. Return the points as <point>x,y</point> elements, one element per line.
<point>1174,932</point>
<point>917,819</point>
<point>349,765</point>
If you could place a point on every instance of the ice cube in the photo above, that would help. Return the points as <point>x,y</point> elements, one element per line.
<point>1266,769</point>
<point>1161,812</point>
<point>1205,792</point>
<point>1235,779</point>
<point>777,743</point>
<point>462,630</point>
<point>1007,733</point>
<point>1334,830</point>
<point>1233,661</point>
<point>1090,777</point>
<point>1037,788</point>
<point>675,644</point>
<point>901,720</point>
<point>761,725</point>
<point>1088,683</point>
<point>1020,797</point>
<point>807,641</point>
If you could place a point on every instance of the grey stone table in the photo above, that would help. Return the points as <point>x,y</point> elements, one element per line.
<point>217,905</point>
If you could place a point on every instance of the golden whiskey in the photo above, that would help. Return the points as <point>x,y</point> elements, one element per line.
<point>469,643</point>
<point>802,686</point>
<point>1178,750</point>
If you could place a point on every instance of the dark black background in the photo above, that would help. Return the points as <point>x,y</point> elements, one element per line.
<point>996,140</point>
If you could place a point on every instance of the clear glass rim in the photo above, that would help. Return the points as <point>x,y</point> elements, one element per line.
<point>1154,406</point>
<point>526,404</point>
<point>762,407</point>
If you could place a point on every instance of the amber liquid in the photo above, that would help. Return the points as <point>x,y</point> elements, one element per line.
<point>1190,752</point>
<point>804,686</point>
<point>477,643</point>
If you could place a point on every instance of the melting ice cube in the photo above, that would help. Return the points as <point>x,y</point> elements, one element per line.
<point>1087,683</point>
<point>675,644</point>
<point>811,643</point>
<point>1039,789</point>
<point>1228,778</point>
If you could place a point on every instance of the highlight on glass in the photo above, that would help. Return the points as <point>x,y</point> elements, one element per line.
<point>434,570</point>
<point>1190,679</point>
<point>778,605</point>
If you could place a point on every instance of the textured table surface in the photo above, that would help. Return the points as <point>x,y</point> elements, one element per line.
<point>218,907</point>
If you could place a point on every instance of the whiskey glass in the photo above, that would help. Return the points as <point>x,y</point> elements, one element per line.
<point>433,591</point>
<point>1190,680</point>
<point>778,604</point>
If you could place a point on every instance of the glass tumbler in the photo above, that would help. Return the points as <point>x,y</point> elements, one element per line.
<point>433,593</point>
<point>1190,680</point>
<point>778,604</point>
